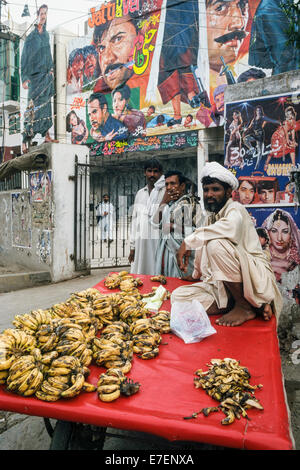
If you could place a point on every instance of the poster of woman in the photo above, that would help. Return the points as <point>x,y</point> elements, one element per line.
<point>282,226</point>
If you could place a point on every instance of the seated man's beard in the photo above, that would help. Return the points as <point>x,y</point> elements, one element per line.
<point>215,206</point>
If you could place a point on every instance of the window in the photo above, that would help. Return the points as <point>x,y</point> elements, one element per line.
<point>14,123</point>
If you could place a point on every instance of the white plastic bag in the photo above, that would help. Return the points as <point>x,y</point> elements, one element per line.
<point>190,321</point>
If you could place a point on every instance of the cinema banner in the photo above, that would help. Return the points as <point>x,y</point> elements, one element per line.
<point>37,83</point>
<point>278,229</point>
<point>262,146</point>
<point>152,67</point>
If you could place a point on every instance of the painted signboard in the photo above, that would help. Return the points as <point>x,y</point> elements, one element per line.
<point>37,83</point>
<point>262,146</point>
<point>153,67</point>
<point>157,142</point>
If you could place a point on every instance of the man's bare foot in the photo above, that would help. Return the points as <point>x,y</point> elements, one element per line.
<point>236,317</point>
<point>265,311</point>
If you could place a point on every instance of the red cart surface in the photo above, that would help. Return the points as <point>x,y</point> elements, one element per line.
<point>167,393</point>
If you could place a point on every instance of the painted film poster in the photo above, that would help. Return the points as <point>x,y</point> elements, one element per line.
<point>150,67</point>
<point>37,83</point>
<point>278,228</point>
<point>262,146</point>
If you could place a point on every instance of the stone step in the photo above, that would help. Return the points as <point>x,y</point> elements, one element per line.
<point>22,280</point>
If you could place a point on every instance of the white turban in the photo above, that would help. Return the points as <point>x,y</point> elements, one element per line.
<point>215,170</point>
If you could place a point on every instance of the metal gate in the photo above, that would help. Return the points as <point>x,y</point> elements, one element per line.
<point>104,242</point>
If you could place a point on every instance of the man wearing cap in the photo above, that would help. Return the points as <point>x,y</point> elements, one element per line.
<point>238,280</point>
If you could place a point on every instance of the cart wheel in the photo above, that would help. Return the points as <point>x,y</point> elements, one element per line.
<point>61,435</point>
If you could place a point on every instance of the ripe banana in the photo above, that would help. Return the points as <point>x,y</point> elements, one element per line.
<point>59,382</point>
<point>108,388</point>
<point>55,371</point>
<point>46,396</point>
<point>46,387</point>
<point>108,397</point>
<point>5,365</point>
<point>75,388</point>
<point>34,386</point>
<point>3,377</point>
<point>87,387</point>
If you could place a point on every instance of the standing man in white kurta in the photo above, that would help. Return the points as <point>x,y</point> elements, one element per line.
<point>143,236</point>
<point>105,215</point>
<point>238,280</point>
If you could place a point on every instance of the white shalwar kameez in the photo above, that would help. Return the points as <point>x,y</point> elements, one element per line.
<point>143,236</point>
<point>228,249</point>
<point>105,224</point>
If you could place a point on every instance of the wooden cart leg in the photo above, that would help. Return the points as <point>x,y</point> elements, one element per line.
<point>62,435</point>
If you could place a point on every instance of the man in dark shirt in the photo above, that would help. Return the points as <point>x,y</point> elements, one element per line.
<point>37,77</point>
<point>103,125</point>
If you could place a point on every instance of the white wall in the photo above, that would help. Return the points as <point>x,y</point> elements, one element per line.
<point>63,167</point>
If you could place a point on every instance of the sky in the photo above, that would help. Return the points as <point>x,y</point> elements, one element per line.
<point>70,14</point>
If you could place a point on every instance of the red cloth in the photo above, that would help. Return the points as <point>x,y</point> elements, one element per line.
<point>167,393</point>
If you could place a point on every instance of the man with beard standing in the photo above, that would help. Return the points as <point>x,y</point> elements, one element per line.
<point>143,236</point>
<point>238,280</point>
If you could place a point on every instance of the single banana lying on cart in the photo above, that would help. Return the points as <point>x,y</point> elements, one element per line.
<point>228,382</point>
<point>113,383</point>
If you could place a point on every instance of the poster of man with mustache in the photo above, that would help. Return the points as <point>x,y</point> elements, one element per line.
<point>176,57</point>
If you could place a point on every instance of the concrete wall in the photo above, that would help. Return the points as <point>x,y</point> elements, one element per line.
<point>63,167</point>
<point>278,84</point>
<point>37,224</point>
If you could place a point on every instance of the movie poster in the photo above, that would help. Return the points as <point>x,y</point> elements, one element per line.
<point>161,66</point>
<point>37,88</point>
<point>262,146</point>
<point>278,229</point>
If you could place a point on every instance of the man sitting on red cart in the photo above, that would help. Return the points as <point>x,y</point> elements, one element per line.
<point>237,278</point>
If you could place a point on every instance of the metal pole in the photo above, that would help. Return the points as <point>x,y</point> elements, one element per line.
<point>75,211</point>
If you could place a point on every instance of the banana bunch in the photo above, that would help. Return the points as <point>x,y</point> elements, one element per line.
<point>27,373</point>
<point>13,344</point>
<point>65,378</point>
<point>113,383</point>
<point>62,310</point>
<point>47,337</point>
<point>31,322</point>
<point>89,323</point>
<point>103,309</point>
<point>146,338</point>
<point>161,321</point>
<point>132,313</point>
<point>72,342</point>
<point>114,347</point>
<point>228,382</point>
<point>112,281</point>
<point>160,278</point>
<point>122,280</point>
